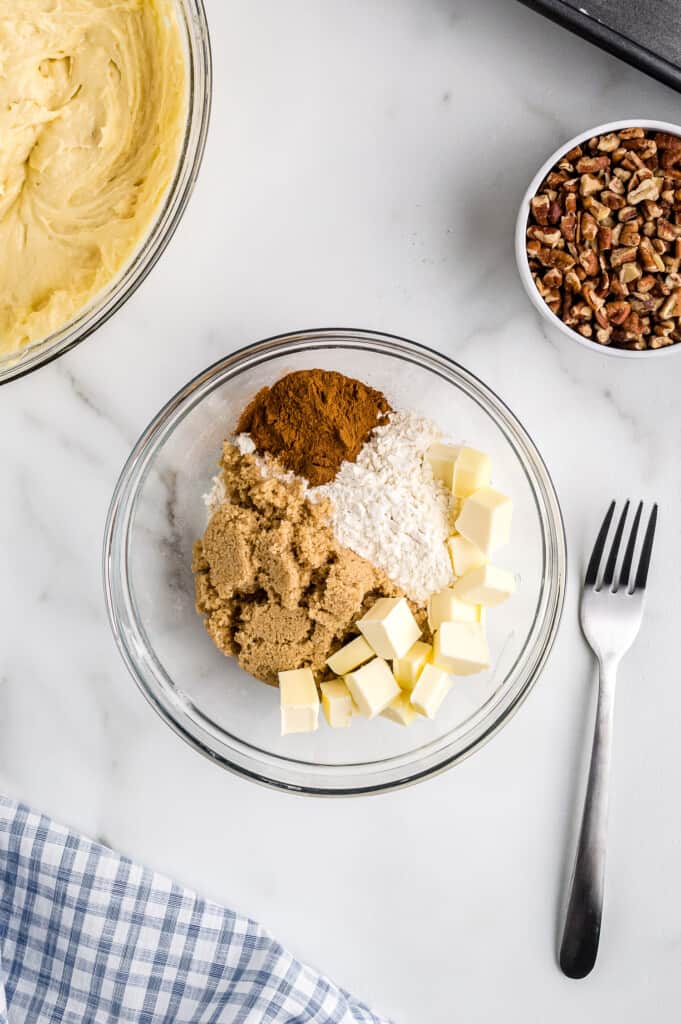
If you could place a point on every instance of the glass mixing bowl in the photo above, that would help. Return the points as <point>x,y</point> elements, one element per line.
<point>194,27</point>
<point>157,512</point>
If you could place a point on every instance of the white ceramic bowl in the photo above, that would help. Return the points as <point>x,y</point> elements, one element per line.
<point>520,239</point>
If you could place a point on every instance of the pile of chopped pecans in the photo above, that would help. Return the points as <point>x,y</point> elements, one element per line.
<point>604,239</point>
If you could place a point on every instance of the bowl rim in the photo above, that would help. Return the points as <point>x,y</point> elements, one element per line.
<point>520,239</point>
<point>107,302</point>
<point>115,553</point>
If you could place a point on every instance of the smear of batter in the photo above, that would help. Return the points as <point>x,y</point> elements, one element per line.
<point>92,111</point>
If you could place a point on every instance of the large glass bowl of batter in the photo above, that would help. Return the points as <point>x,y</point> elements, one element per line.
<point>157,513</point>
<point>194,30</point>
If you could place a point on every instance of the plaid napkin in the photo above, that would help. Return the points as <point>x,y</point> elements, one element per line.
<point>89,936</point>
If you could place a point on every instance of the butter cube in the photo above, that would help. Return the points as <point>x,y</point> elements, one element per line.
<point>299,701</point>
<point>485,519</point>
<point>433,686</point>
<point>373,687</point>
<point>488,586</point>
<point>400,710</point>
<point>445,606</point>
<point>350,657</point>
<point>407,669</point>
<point>461,648</point>
<point>337,704</point>
<point>464,555</point>
<point>441,459</point>
<point>472,470</point>
<point>389,627</point>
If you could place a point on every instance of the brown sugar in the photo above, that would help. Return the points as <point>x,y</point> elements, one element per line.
<point>277,590</point>
<point>312,421</point>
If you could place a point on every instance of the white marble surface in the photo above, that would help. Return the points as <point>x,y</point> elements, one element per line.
<point>363,169</point>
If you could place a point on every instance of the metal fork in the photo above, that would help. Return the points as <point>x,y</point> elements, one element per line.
<point>611,612</point>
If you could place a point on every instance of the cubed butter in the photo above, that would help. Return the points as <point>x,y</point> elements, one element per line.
<point>488,586</point>
<point>299,701</point>
<point>407,669</point>
<point>472,470</point>
<point>350,657</point>
<point>389,627</point>
<point>441,459</point>
<point>461,648</point>
<point>445,606</point>
<point>433,686</point>
<point>400,710</point>
<point>464,555</point>
<point>337,704</point>
<point>485,519</point>
<point>372,687</point>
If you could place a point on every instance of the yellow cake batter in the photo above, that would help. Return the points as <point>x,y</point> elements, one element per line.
<point>92,112</point>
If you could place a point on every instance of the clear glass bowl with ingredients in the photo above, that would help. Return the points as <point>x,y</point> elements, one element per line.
<point>157,513</point>
<point>193,25</point>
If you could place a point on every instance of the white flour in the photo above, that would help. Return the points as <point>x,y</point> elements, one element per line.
<point>386,505</point>
<point>388,508</point>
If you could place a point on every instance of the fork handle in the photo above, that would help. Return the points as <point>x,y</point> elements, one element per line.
<point>582,929</point>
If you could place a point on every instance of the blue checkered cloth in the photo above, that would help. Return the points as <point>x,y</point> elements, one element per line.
<point>89,937</point>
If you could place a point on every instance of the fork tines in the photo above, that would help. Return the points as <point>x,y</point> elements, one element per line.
<point>624,581</point>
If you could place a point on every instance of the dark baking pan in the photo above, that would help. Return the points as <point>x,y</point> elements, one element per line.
<point>644,33</point>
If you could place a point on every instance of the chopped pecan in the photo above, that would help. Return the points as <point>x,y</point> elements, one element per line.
<point>672,305</point>
<point>661,340</point>
<point>582,311</point>
<point>669,159</point>
<point>553,278</point>
<point>617,311</point>
<point>572,281</point>
<point>608,143</point>
<point>625,254</point>
<point>588,185</point>
<point>557,258</point>
<point>592,164</point>
<point>592,297</point>
<point>556,178</point>
<point>629,272</point>
<point>588,260</point>
<point>574,154</point>
<point>547,236</point>
<point>650,259</point>
<point>668,232</point>
<point>612,200</point>
<point>599,211</point>
<point>604,238</point>
<point>648,305</point>
<point>648,188</point>
<point>652,209</point>
<point>630,235</point>
<point>646,284</point>
<point>540,208</point>
<point>666,141</point>
<point>632,133</point>
<point>568,227</point>
<point>588,227</point>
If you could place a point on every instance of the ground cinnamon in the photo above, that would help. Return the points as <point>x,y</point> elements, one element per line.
<point>311,421</point>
